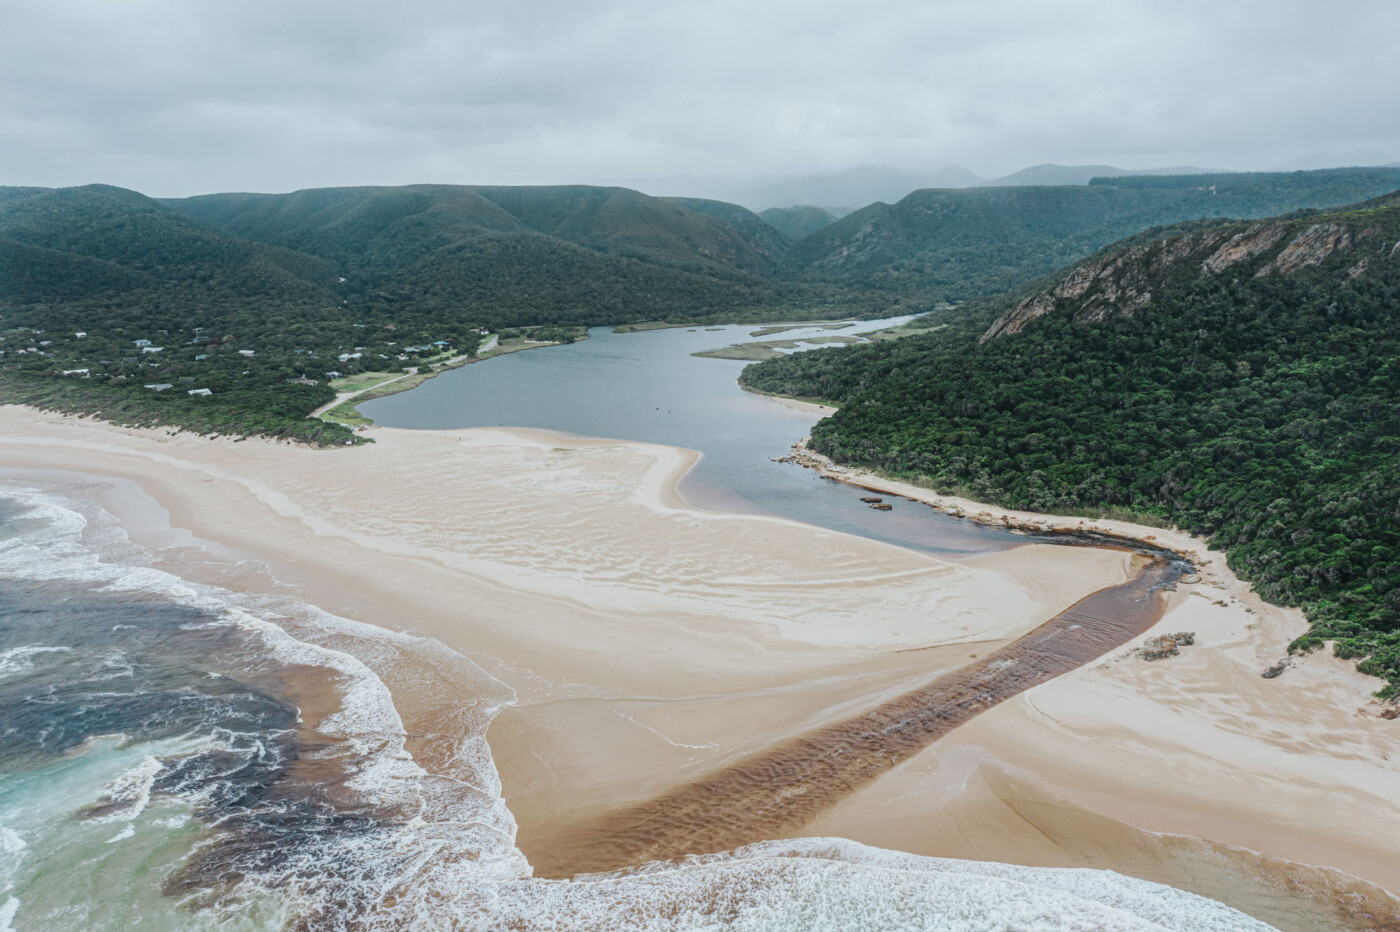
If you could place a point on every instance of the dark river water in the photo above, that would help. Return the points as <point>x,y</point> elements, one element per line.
<point>647,386</point>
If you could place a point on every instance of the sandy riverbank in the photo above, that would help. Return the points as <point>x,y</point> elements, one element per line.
<point>648,642</point>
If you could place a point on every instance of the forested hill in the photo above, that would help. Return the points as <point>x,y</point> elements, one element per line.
<point>525,255</point>
<point>957,244</point>
<point>377,226</point>
<point>1240,380</point>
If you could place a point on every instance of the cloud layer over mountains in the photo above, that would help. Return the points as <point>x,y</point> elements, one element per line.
<point>175,98</point>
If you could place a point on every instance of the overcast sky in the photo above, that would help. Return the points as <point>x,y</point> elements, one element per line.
<point>176,97</point>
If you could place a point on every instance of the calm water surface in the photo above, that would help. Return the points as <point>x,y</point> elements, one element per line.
<point>647,386</point>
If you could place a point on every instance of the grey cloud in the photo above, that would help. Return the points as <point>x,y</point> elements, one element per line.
<point>177,98</point>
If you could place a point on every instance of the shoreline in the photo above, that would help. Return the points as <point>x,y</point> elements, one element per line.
<point>1210,565</point>
<point>411,380</point>
<point>648,642</point>
<point>798,404</point>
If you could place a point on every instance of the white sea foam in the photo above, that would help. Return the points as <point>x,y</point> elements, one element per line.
<point>126,796</point>
<point>451,859</point>
<point>127,831</point>
<point>21,659</point>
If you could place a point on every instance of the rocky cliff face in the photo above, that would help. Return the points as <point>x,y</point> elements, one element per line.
<point>1122,282</point>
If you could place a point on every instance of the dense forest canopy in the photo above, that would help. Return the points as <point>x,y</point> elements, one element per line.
<point>1239,380</point>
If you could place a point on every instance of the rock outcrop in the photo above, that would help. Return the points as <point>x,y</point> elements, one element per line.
<point>1310,247</point>
<point>1243,246</point>
<point>1166,645</point>
<point>1120,283</point>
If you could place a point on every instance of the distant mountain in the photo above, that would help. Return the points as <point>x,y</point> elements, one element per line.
<point>1050,174</point>
<point>1056,175</point>
<point>853,188</point>
<point>1237,379</point>
<point>798,222</point>
<point>952,245</point>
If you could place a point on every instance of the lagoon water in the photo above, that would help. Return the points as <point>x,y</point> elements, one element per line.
<point>646,386</point>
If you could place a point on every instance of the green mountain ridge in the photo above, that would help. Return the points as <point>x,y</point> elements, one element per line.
<point>1052,174</point>
<point>952,245</point>
<point>1240,380</point>
<point>392,226</point>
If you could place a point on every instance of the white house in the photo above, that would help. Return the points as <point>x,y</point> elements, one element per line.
<point>199,391</point>
<point>152,349</point>
<point>160,386</point>
<point>142,342</point>
<point>247,352</point>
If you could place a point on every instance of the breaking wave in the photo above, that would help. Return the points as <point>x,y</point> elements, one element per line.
<point>259,740</point>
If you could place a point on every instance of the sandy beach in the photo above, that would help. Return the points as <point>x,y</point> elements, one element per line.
<point>647,642</point>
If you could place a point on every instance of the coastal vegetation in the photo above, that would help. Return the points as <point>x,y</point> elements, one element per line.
<point>1239,380</point>
<point>230,312</point>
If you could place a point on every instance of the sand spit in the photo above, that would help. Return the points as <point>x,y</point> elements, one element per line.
<point>650,644</point>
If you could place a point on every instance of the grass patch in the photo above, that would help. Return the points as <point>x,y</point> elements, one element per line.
<point>640,325</point>
<point>837,339</point>
<point>362,380</point>
<point>749,352</point>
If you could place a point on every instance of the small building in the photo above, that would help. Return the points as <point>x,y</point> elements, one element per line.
<point>198,391</point>
<point>152,349</point>
<point>332,374</point>
<point>201,357</point>
<point>82,372</point>
<point>141,342</point>
<point>247,352</point>
<point>80,334</point>
<point>302,381</point>
<point>160,386</point>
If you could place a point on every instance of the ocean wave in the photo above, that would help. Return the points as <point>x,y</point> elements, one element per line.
<point>379,839</point>
<point>21,659</point>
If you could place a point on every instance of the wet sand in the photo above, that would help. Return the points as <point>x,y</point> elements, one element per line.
<point>648,644</point>
<point>780,791</point>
